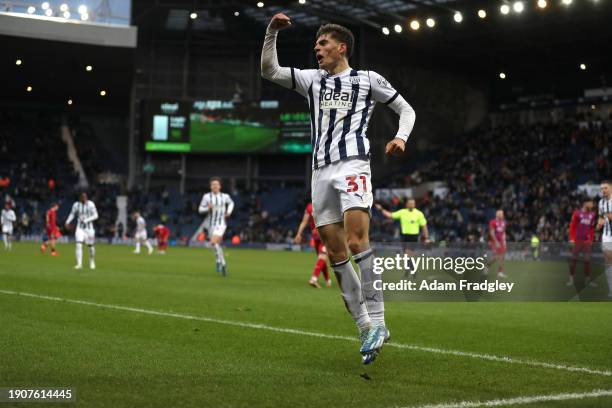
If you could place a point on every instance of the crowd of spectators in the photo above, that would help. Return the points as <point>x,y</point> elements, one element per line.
<point>530,171</point>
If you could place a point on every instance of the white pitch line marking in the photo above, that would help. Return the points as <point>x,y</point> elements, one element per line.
<point>521,400</point>
<point>458,353</point>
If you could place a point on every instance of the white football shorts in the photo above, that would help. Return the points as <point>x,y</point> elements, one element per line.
<point>339,187</point>
<point>141,235</point>
<point>218,230</point>
<point>87,236</point>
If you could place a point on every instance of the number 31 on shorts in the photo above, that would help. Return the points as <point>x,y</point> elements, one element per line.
<point>353,184</point>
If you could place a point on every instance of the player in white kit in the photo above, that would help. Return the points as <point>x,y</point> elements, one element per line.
<point>140,235</point>
<point>604,224</point>
<point>85,213</point>
<point>341,100</point>
<point>217,206</point>
<point>7,219</point>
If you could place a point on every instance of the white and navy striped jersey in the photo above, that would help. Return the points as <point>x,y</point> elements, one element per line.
<point>605,208</point>
<point>340,105</point>
<point>7,218</point>
<point>221,204</point>
<point>340,109</point>
<point>141,224</point>
<point>85,214</point>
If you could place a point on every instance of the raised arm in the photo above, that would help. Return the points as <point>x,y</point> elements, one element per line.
<point>270,69</point>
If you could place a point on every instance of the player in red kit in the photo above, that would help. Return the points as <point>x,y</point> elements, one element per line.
<point>321,264</point>
<point>52,232</point>
<point>162,234</point>
<point>497,241</point>
<point>582,233</point>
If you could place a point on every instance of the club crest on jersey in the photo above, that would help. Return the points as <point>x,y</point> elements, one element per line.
<point>354,80</point>
<point>383,82</point>
<point>331,99</point>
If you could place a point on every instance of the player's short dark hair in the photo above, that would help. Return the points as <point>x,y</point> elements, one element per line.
<point>215,178</point>
<point>607,181</point>
<point>340,34</point>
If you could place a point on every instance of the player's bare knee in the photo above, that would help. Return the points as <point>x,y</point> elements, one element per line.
<point>336,256</point>
<point>357,243</point>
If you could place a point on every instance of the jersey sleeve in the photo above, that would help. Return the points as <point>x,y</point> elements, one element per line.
<point>203,209</point>
<point>396,215</point>
<point>302,79</point>
<point>230,204</point>
<point>422,220</point>
<point>491,228</point>
<point>73,213</point>
<point>382,90</point>
<point>94,213</point>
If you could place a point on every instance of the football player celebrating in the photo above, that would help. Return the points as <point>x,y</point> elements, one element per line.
<point>341,100</point>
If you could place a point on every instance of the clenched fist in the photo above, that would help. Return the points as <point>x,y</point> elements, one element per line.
<point>395,147</point>
<point>280,21</point>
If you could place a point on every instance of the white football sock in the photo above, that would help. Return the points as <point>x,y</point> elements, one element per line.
<point>92,253</point>
<point>5,239</point>
<point>149,247</point>
<point>350,286</point>
<point>373,297</point>
<point>79,253</point>
<point>137,246</point>
<point>219,254</point>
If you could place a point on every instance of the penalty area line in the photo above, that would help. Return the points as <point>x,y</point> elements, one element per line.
<point>521,400</point>
<point>434,350</point>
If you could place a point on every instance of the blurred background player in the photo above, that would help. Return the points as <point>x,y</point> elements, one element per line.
<point>341,100</point>
<point>217,206</point>
<point>140,235</point>
<point>412,221</point>
<point>321,264</point>
<point>7,219</point>
<point>604,224</point>
<point>85,213</point>
<point>51,230</point>
<point>581,234</point>
<point>162,234</point>
<point>497,242</point>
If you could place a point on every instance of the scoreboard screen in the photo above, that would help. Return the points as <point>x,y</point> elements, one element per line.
<point>212,126</point>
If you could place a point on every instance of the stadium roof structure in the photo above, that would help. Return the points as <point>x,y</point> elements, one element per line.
<point>536,46</point>
<point>537,49</point>
<point>557,31</point>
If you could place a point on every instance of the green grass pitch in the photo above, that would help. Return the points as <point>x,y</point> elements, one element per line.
<point>123,358</point>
